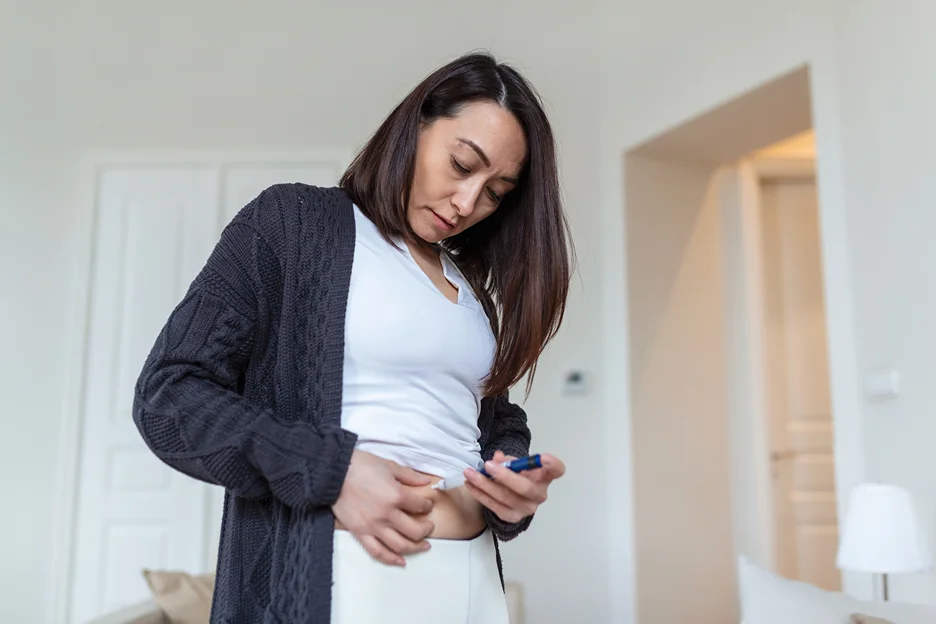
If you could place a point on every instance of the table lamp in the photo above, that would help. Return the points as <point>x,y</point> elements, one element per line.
<point>881,534</point>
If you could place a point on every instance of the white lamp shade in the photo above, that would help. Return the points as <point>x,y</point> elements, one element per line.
<point>880,532</point>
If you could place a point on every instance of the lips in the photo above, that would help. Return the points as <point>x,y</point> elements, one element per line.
<point>443,222</point>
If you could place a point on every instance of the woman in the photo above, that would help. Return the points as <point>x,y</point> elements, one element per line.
<point>344,349</point>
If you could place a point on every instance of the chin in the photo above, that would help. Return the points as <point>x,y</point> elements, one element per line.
<point>432,239</point>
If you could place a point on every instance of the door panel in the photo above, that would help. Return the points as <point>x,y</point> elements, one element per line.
<point>799,396</point>
<point>154,231</point>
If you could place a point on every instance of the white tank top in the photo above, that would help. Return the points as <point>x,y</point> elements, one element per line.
<point>413,360</point>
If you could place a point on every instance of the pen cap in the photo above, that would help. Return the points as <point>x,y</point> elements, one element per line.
<point>526,463</point>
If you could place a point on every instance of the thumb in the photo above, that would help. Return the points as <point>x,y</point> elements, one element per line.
<point>408,476</point>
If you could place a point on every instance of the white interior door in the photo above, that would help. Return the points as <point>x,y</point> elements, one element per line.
<point>799,403</point>
<point>155,227</point>
<point>154,231</point>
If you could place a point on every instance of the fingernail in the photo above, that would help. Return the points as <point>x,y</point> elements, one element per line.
<point>489,466</point>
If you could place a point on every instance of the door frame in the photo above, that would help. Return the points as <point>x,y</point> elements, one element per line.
<point>754,173</point>
<point>746,359</point>
<point>88,170</point>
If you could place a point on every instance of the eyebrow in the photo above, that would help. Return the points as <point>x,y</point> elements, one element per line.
<point>484,158</point>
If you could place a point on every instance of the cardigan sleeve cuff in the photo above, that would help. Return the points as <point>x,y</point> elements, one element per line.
<point>505,531</point>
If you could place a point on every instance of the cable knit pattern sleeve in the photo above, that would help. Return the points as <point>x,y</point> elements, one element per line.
<point>511,435</point>
<point>188,406</point>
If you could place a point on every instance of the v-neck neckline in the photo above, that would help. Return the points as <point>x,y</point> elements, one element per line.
<point>465,296</point>
<point>449,272</point>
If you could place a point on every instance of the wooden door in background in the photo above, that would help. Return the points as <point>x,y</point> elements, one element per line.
<point>799,402</point>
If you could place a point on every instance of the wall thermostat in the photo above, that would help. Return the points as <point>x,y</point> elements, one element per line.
<point>574,382</point>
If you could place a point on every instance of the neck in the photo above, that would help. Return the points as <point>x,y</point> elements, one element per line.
<point>417,244</point>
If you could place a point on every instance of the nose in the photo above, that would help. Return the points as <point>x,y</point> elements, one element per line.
<point>466,197</point>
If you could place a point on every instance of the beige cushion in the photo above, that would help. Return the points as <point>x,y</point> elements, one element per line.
<point>185,599</point>
<point>858,618</point>
<point>767,598</point>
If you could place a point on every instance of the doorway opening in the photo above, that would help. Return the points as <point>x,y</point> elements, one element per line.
<point>802,525</point>
<point>731,417</point>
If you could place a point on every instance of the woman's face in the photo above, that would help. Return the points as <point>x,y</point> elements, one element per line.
<point>464,167</point>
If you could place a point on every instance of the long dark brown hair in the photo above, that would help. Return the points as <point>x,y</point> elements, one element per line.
<point>518,260</point>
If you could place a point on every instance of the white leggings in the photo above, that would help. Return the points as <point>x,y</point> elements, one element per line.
<point>455,582</point>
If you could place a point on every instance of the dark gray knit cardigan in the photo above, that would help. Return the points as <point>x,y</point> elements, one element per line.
<point>243,389</point>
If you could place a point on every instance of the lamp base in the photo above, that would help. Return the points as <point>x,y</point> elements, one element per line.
<point>882,584</point>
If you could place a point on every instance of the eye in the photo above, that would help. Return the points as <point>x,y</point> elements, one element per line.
<point>458,167</point>
<point>494,196</point>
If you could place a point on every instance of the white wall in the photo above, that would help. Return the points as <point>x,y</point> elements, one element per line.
<point>214,74</point>
<point>679,395</point>
<point>35,291</point>
<point>888,93</point>
<point>34,295</point>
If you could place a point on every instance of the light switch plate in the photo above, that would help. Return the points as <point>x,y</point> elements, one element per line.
<point>883,385</point>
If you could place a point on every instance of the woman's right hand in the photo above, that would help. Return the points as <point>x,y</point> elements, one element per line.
<point>380,511</point>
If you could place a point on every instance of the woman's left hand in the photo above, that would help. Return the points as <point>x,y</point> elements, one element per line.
<point>510,495</point>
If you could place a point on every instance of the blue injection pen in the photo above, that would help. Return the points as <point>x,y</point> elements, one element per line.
<point>516,465</point>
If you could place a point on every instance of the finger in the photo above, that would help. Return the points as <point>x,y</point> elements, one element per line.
<point>413,502</point>
<point>551,470</point>
<point>408,476</point>
<point>520,484</point>
<point>500,457</point>
<point>552,465</point>
<point>502,511</point>
<point>410,527</point>
<point>497,491</point>
<point>397,543</point>
<point>379,552</point>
